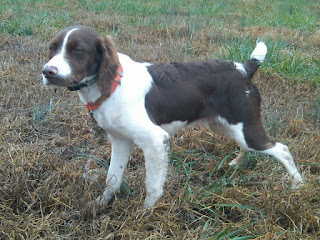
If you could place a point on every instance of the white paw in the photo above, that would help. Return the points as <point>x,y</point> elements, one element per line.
<point>151,200</point>
<point>239,159</point>
<point>297,184</point>
<point>234,162</point>
<point>104,199</point>
<point>148,203</point>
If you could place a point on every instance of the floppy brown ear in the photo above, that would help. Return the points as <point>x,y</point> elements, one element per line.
<point>108,66</point>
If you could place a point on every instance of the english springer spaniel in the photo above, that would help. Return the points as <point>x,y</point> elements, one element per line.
<point>145,104</point>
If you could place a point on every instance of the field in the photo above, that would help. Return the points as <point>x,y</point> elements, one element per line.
<point>52,162</point>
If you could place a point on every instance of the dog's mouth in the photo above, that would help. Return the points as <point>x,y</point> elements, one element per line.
<point>50,76</point>
<point>69,81</point>
<point>58,81</point>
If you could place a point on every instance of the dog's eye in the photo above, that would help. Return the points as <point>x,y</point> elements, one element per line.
<point>52,48</point>
<point>77,50</point>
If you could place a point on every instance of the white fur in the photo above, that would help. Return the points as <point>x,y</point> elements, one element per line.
<point>174,127</point>
<point>260,51</point>
<point>283,155</point>
<point>240,158</point>
<point>240,68</point>
<point>234,131</point>
<point>45,80</point>
<point>121,149</point>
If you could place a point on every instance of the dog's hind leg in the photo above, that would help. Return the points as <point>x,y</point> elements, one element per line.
<point>240,158</point>
<point>253,138</point>
<point>222,127</point>
<point>281,152</point>
<point>257,140</point>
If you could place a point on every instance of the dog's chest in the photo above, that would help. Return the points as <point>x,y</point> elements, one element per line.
<point>122,118</point>
<point>107,119</point>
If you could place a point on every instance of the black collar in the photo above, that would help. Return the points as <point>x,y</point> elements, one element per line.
<point>82,85</point>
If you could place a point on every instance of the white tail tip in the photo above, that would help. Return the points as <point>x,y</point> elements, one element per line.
<point>260,51</point>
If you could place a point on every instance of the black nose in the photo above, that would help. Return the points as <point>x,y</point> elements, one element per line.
<point>50,71</point>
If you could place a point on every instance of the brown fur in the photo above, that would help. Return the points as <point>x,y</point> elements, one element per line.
<point>205,90</point>
<point>109,63</point>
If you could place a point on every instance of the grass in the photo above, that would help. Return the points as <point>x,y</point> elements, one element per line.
<point>52,164</point>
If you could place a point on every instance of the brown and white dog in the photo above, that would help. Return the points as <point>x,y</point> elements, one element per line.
<point>145,104</point>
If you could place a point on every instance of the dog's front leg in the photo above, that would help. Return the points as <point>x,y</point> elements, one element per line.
<point>121,149</point>
<point>156,161</point>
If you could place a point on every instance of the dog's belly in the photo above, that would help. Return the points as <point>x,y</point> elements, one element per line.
<point>173,127</point>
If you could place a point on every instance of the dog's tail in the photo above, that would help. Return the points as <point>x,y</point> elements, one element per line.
<point>257,57</point>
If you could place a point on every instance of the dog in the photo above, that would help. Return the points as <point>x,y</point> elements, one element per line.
<point>145,104</point>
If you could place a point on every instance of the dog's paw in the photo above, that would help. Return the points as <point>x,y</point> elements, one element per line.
<point>94,208</point>
<point>151,199</point>
<point>234,162</point>
<point>297,184</point>
<point>98,202</point>
<point>239,159</point>
<point>297,181</point>
<point>101,201</point>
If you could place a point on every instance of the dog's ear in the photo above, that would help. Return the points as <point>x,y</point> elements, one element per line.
<point>108,65</point>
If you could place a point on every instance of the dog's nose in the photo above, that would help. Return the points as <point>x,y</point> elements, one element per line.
<point>50,71</point>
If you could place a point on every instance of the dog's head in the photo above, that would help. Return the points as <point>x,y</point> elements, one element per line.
<point>78,54</point>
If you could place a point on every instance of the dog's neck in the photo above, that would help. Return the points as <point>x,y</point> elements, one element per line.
<point>89,94</point>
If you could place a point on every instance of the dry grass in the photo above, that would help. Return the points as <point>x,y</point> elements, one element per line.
<point>52,164</point>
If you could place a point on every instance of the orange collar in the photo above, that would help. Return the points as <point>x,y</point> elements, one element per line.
<point>94,105</point>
